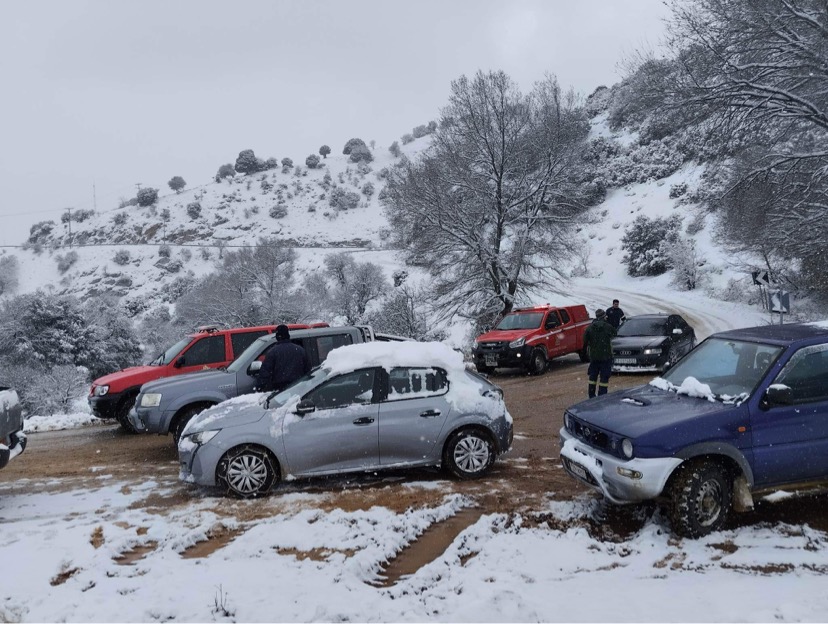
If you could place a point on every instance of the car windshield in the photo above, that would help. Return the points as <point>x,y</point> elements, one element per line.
<point>250,353</point>
<point>522,320</point>
<point>301,386</point>
<point>731,368</point>
<point>643,327</point>
<point>170,354</point>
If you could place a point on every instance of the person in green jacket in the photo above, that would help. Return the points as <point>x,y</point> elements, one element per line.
<point>598,338</point>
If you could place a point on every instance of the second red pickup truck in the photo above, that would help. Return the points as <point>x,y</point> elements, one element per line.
<point>530,337</point>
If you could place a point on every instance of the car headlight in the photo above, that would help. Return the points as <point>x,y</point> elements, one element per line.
<point>517,343</point>
<point>202,437</point>
<point>101,390</point>
<point>567,422</point>
<point>150,400</point>
<point>627,448</point>
<point>652,351</point>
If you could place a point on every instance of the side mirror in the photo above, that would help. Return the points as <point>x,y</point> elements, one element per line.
<point>254,368</point>
<point>305,407</point>
<point>778,394</point>
<point>179,362</point>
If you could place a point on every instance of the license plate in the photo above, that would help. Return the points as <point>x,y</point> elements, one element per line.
<point>578,470</point>
<point>491,360</point>
<point>626,361</point>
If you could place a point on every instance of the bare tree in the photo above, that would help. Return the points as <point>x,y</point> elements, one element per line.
<point>356,285</point>
<point>489,207</point>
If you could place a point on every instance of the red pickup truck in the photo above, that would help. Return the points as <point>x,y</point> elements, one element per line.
<point>113,395</point>
<point>530,337</point>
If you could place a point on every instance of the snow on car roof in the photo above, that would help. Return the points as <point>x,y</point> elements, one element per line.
<point>394,354</point>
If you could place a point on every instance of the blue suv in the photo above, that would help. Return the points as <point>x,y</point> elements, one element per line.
<point>743,413</point>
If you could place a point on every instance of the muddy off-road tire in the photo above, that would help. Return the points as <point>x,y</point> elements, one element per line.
<point>469,454</point>
<point>182,419</point>
<point>700,498</point>
<point>537,363</point>
<point>247,471</point>
<point>121,415</point>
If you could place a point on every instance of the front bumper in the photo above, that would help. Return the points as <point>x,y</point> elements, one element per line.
<point>600,471</point>
<point>197,464</point>
<point>105,406</point>
<point>149,419</point>
<point>502,356</point>
<point>11,448</point>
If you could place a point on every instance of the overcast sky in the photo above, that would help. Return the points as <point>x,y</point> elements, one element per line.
<point>117,93</point>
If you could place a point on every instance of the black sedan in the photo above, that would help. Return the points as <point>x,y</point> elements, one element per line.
<point>651,342</point>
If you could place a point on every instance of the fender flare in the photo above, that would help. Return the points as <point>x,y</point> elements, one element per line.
<point>183,401</point>
<point>719,448</point>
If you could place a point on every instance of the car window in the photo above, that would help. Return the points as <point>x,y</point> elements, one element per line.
<point>348,389</point>
<point>209,350</point>
<point>521,320</point>
<point>326,344</point>
<point>242,340</point>
<point>564,316</point>
<point>806,374</point>
<point>413,383</point>
<point>552,320</point>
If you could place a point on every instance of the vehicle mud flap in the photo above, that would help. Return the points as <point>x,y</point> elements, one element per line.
<point>742,498</point>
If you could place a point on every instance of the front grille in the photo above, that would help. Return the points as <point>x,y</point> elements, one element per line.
<point>594,437</point>
<point>492,346</point>
<point>626,352</point>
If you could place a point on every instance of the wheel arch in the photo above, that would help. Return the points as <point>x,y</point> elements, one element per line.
<point>725,453</point>
<point>469,426</point>
<point>243,442</point>
<point>180,411</point>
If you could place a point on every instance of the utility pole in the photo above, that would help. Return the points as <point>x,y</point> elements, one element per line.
<point>138,185</point>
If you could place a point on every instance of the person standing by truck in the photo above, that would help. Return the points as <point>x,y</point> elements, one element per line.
<point>615,315</point>
<point>598,339</point>
<point>284,363</point>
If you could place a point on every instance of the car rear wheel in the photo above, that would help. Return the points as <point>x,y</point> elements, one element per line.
<point>247,471</point>
<point>183,418</point>
<point>469,454</point>
<point>537,363</point>
<point>700,498</point>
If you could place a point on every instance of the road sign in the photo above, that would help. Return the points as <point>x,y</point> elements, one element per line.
<point>760,278</point>
<point>779,301</point>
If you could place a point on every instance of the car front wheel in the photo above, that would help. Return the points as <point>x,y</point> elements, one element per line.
<point>247,471</point>
<point>700,498</point>
<point>469,454</point>
<point>537,363</point>
<point>122,415</point>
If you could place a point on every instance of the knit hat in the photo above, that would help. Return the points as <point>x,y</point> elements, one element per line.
<point>282,332</point>
<point>599,313</point>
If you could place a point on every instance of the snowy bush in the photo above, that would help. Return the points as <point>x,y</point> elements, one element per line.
<point>65,261</point>
<point>361,153</point>
<point>406,139</point>
<point>270,163</point>
<point>287,163</point>
<point>194,210</point>
<point>343,199</point>
<point>368,189</point>
<point>247,162</point>
<point>312,161</point>
<point>677,190</point>
<point>77,216</point>
<point>164,251</point>
<point>225,171</point>
<point>120,218</point>
<point>121,257</point>
<point>147,196</point>
<point>696,224</point>
<point>395,150</point>
<point>40,231</point>
<point>176,183</point>
<point>642,241</point>
<point>351,144</point>
<point>278,212</point>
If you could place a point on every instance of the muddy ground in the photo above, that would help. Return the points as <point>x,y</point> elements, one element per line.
<point>522,481</point>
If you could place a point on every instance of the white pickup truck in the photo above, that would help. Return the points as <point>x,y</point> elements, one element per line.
<point>12,438</point>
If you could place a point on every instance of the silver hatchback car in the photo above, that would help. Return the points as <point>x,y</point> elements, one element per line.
<point>368,407</point>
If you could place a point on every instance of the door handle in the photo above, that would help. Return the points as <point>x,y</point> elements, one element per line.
<point>365,420</point>
<point>430,413</point>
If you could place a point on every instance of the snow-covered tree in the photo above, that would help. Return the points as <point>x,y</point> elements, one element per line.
<point>689,264</point>
<point>351,144</point>
<point>488,208</point>
<point>645,242</point>
<point>147,196</point>
<point>312,161</point>
<point>225,171</point>
<point>356,285</point>
<point>248,163</point>
<point>176,183</point>
<point>324,151</point>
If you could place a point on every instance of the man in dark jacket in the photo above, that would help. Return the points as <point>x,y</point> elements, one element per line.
<point>598,338</point>
<point>284,363</point>
<point>615,315</point>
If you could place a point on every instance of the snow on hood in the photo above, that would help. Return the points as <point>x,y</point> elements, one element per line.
<point>245,404</point>
<point>691,386</point>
